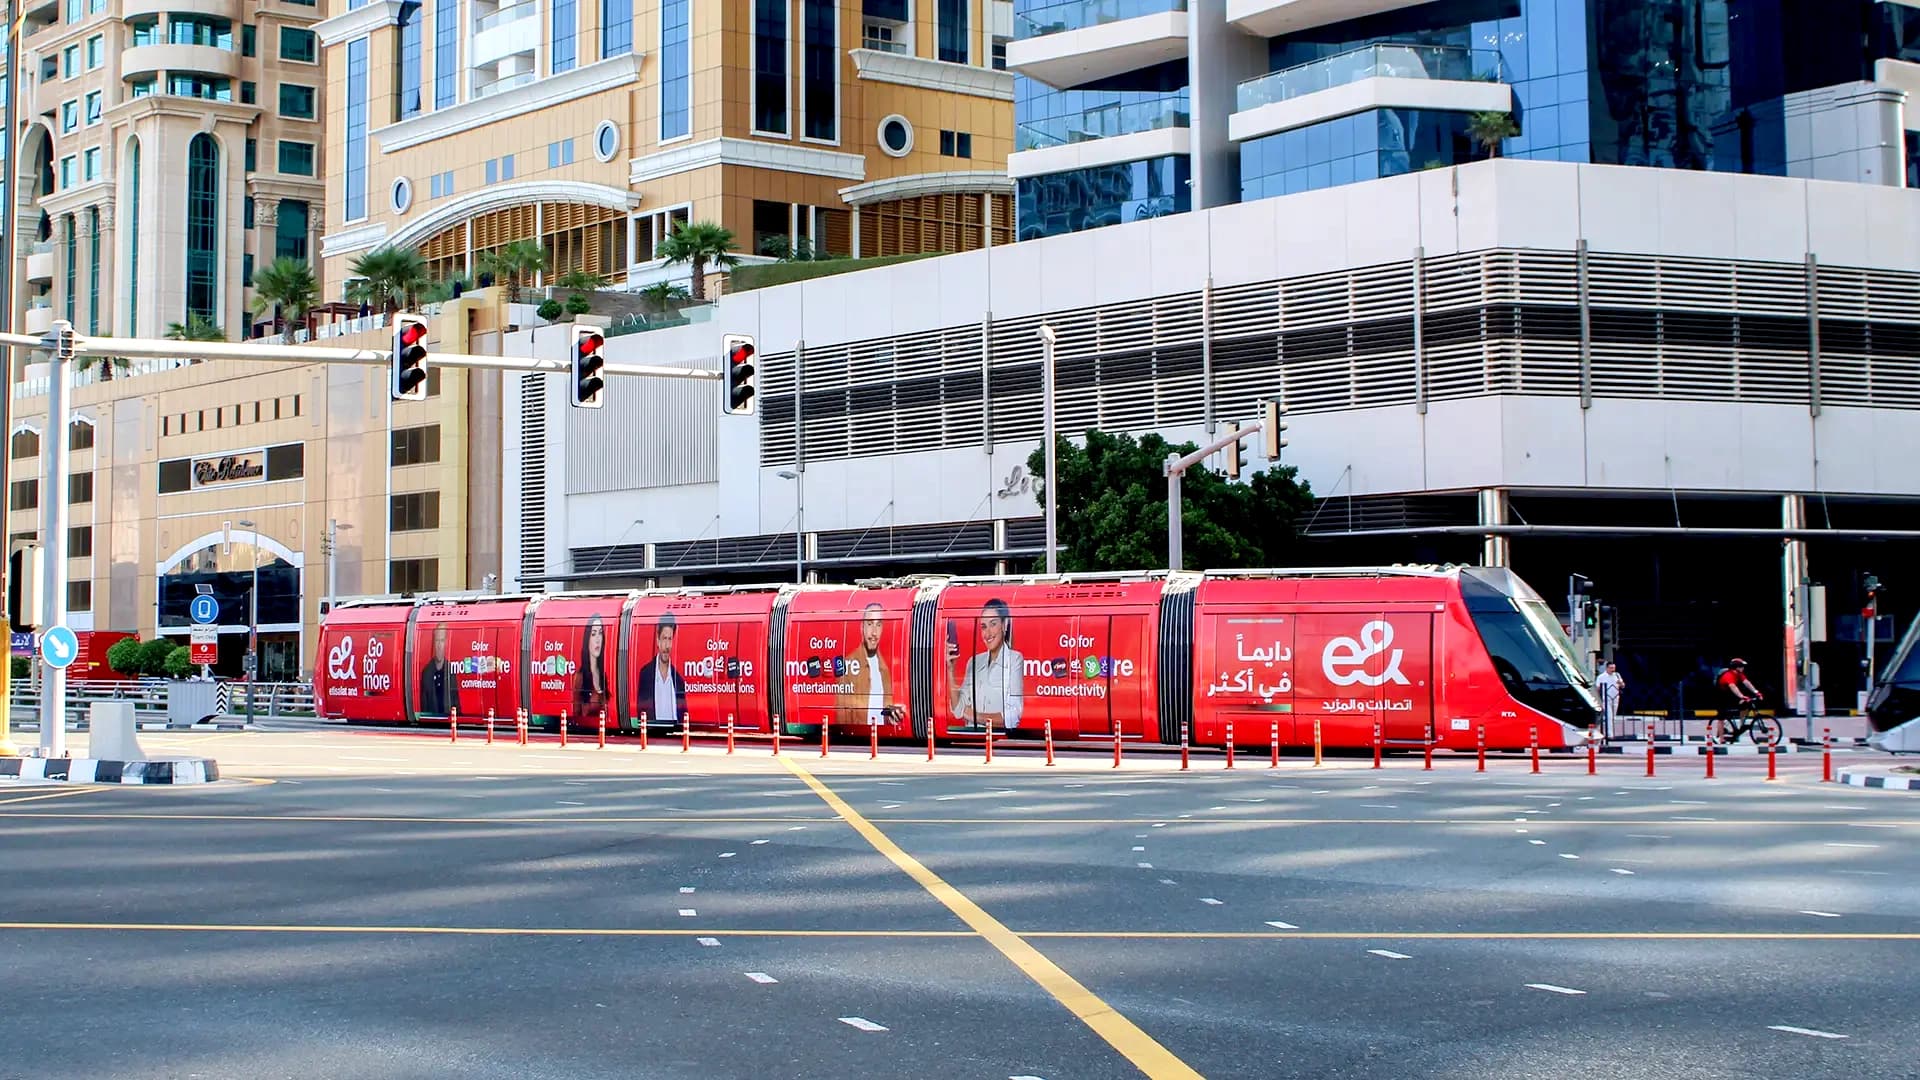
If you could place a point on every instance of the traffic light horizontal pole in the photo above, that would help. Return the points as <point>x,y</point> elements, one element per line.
<point>1181,465</point>
<point>168,349</point>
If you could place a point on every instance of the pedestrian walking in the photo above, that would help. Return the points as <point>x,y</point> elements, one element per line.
<point>1611,686</point>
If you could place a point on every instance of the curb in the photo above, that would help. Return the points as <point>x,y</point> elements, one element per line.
<point>96,771</point>
<point>1701,749</point>
<point>1880,780</point>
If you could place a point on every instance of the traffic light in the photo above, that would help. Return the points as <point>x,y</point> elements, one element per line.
<point>1590,614</point>
<point>738,350</point>
<point>1236,449</point>
<point>1609,625</point>
<point>409,357</point>
<point>589,357</point>
<point>1273,425</point>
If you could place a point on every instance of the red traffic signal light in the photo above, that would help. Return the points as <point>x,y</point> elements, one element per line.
<point>739,374</point>
<point>409,358</point>
<point>589,358</point>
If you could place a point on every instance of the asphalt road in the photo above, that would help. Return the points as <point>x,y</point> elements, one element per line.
<point>379,905</point>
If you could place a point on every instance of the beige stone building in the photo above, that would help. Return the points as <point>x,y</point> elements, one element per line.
<point>165,147</point>
<point>172,459</point>
<point>857,126</point>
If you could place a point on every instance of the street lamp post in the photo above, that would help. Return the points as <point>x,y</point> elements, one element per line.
<point>1047,339</point>
<point>799,526</point>
<point>253,622</point>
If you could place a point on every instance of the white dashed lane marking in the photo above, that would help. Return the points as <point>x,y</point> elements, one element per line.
<point>1821,914</point>
<point>728,854</point>
<point>709,942</point>
<point>1854,845</point>
<point>861,1023</point>
<point>1144,865</point>
<point>1168,881</point>
<point>763,841</point>
<point>762,978</point>
<point>1624,873</point>
<point>1212,901</point>
<point>1138,847</point>
<point>1564,855</point>
<point>1390,954</point>
<point>1552,989</point>
<point>687,913</point>
<point>1791,1030</point>
<point>1278,925</point>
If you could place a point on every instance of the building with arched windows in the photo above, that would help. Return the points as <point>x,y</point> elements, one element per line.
<point>165,148</point>
<point>595,127</point>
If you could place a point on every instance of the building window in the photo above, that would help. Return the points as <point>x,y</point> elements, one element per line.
<point>416,445</point>
<point>440,185</point>
<point>413,576</point>
<point>24,495</point>
<point>499,169</point>
<point>566,32</point>
<point>93,107</point>
<point>203,228</point>
<point>606,141</point>
<point>414,512</point>
<point>176,475</point>
<point>616,28</point>
<point>249,93</point>
<point>214,33</point>
<point>90,164</point>
<point>25,444</point>
<point>956,144</point>
<point>69,116</point>
<point>446,52</point>
<point>70,61</point>
<point>676,64</point>
<point>356,171</point>
<point>651,229</point>
<point>253,154</point>
<point>407,94</point>
<point>197,86</point>
<point>249,42</point>
<point>73,262</point>
<point>770,66</point>
<point>820,74</point>
<point>146,30</point>
<point>69,171</point>
<point>80,487</point>
<point>772,228</point>
<point>287,461</point>
<point>80,541</point>
<point>142,88</point>
<point>952,19</point>
<point>79,595</point>
<point>296,101</point>
<point>93,290</point>
<point>559,153</point>
<point>298,45</point>
<point>999,54</point>
<point>290,230</point>
<point>296,158</point>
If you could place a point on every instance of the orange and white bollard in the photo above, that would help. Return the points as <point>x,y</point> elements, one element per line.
<point>686,733</point>
<point>1273,745</point>
<point>873,741</point>
<point>1378,744</point>
<point>603,729</point>
<point>563,727</point>
<point>988,760</point>
<point>1116,743</point>
<point>453,726</point>
<point>1481,764</point>
<point>1229,744</point>
<point>1712,752</point>
<point>823,735</point>
<point>1183,745</point>
<point>1593,750</point>
<point>776,735</point>
<point>1773,751</point>
<point>520,720</point>
<point>1048,728</point>
<point>729,733</point>
<point>1650,742</point>
<point>489,725</point>
<point>1533,744</point>
<point>1316,742</point>
<point>1428,764</point>
<point>1826,755</point>
<point>643,731</point>
<point>929,739</point>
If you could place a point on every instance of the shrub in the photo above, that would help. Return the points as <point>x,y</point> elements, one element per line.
<point>21,668</point>
<point>577,304</point>
<point>153,656</point>
<point>177,665</point>
<point>123,656</point>
<point>549,310</point>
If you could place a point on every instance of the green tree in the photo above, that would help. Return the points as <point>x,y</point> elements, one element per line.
<point>1489,129</point>
<point>19,668</point>
<point>1113,508</point>
<point>511,264</point>
<point>196,328</point>
<point>153,656</point>
<point>550,310</point>
<point>698,243</point>
<point>389,277</point>
<point>439,292</point>
<point>288,284</point>
<point>663,295</point>
<point>177,665</point>
<point>582,281</point>
<point>578,305</point>
<point>123,656</point>
<point>110,365</point>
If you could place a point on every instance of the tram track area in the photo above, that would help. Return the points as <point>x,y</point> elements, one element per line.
<point>496,911</point>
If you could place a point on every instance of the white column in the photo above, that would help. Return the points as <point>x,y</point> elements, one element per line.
<point>1495,548</point>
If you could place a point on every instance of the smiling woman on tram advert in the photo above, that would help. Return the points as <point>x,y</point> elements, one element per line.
<point>993,689</point>
<point>590,693</point>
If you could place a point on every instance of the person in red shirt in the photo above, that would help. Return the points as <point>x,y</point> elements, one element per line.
<point>1735,691</point>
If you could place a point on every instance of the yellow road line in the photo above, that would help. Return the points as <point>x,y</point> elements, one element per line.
<point>560,819</point>
<point>48,795</point>
<point>474,931</point>
<point>1121,1033</point>
<point>1170,822</point>
<point>1469,935</point>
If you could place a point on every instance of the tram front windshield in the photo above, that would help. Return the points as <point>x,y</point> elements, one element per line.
<point>1529,650</point>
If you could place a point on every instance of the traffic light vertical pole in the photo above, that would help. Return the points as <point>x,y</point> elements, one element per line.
<point>53,511</point>
<point>7,268</point>
<point>1047,340</point>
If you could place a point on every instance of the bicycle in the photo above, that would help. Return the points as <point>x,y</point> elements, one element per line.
<point>1747,721</point>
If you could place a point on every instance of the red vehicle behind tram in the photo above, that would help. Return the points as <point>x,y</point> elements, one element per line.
<point>1438,653</point>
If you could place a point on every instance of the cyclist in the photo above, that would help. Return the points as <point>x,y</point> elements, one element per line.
<point>1736,693</point>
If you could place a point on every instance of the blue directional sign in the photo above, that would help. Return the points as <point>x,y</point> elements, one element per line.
<point>22,643</point>
<point>58,647</point>
<point>204,609</point>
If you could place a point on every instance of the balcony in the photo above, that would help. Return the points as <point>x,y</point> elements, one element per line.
<point>504,33</point>
<point>38,318</point>
<point>1272,18</point>
<point>40,261</point>
<point>1429,77</point>
<point>503,84</point>
<point>142,61</point>
<point>1076,42</point>
<point>1133,131</point>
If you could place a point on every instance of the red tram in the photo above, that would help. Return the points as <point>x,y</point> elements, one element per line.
<point>1422,651</point>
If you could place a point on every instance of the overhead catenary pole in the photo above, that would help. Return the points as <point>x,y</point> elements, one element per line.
<point>1047,340</point>
<point>8,227</point>
<point>53,527</point>
<point>1176,466</point>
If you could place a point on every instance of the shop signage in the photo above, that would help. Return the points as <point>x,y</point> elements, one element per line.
<point>229,469</point>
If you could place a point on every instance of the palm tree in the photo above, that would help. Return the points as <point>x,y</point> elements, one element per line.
<point>662,295</point>
<point>111,364</point>
<point>389,277</point>
<point>580,281</point>
<point>285,283</point>
<point>512,263</point>
<point>695,243</point>
<point>1489,129</point>
<point>196,328</point>
<point>439,292</point>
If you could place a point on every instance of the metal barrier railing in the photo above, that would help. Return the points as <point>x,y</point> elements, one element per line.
<point>150,695</point>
